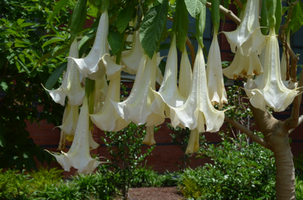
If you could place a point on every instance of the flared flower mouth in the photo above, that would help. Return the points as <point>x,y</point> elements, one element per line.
<point>169,92</point>
<point>247,32</point>
<point>269,90</point>
<point>107,119</point>
<point>137,107</point>
<point>78,155</point>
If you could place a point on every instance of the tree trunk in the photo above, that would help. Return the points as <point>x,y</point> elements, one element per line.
<point>276,136</point>
<point>285,173</point>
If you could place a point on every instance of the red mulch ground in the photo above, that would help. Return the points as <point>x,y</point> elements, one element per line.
<point>155,193</point>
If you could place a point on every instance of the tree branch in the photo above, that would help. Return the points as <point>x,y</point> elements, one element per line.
<point>248,132</point>
<point>192,51</point>
<point>227,12</point>
<point>293,121</point>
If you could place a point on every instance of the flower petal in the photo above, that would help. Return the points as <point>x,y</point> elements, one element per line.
<point>149,136</point>
<point>193,142</point>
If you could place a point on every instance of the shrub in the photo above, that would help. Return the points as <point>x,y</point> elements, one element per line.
<point>239,170</point>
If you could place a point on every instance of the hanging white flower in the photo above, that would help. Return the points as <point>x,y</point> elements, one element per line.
<point>248,31</point>
<point>198,112</point>
<point>71,86</point>
<point>169,93</point>
<point>78,155</point>
<point>90,65</point>
<point>107,118</point>
<point>137,107</point>
<point>215,82</point>
<point>271,91</point>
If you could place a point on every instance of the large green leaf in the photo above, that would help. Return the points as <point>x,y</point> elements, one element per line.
<point>53,40</point>
<point>78,18</point>
<point>152,28</point>
<point>296,17</point>
<point>53,78</point>
<point>59,5</point>
<point>264,19</point>
<point>124,17</point>
<point>115,41</point>
<point>194,7</point>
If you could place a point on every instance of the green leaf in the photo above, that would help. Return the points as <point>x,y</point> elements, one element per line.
<point>53,78</point>
<point>53,40</point>
<point>115,41</point>
<point>181,22</point>
<point>152,28</point>
<point>200,25</point>
<point>20,21</point>
<point>26,24</point>
<point>194,7</point>
<point>124,17</point>
<point>296,17</point>
<point>78,18</point>
<point>59,5</point>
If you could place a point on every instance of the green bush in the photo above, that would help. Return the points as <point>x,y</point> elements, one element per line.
<point>239,170</point>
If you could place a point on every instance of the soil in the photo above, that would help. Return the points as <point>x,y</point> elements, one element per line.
<point>155,193</point>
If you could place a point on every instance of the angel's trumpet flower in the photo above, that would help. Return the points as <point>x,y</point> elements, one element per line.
<point>71,86</point>
<point>131,58</point>
<point>149,136</point>
<point>78,155</point>
<point>70,120</point>
<point>101,89</point>
<point>248,31</point>
<point>107,119</point>
<point>193,142</point>
<point>215,82</point>
<point>136,107</point>
<point>271,91</point>
<point>185,77</point>
<point>244,66</point>
<point>90,65</point>
<point>198,111</point>
<point>169,93</point>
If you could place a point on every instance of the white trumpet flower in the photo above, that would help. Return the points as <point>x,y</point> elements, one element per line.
<point>107,119</point>
<point>198,111</point>
<point>169,93</point>
<point>136,107</point>
<point>78,155</point>
<point>90,65</point>
<point>131,58</point>
<point>244,66</point>
<point>193,142</point>
<point>271,91</point>
<point>215,82</point>
<point>149,136</point>
<point>101,89</point>
<point>185,76</point>
<point>71,86</point>
<point>248,31</point>
<point>69,122</point>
